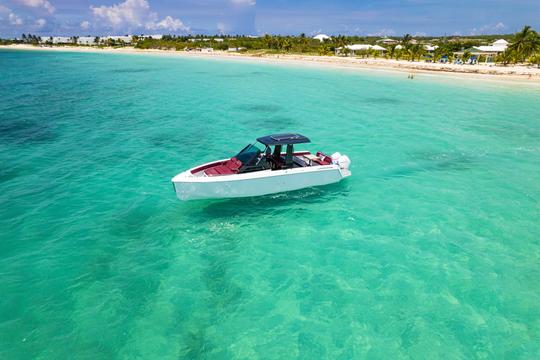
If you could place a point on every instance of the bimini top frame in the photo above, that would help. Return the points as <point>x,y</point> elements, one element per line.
<point>283,139</point>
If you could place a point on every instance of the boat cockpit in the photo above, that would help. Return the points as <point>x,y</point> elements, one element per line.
<point>267,154</point>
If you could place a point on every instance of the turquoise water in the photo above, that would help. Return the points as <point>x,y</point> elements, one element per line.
<point>430,250</point>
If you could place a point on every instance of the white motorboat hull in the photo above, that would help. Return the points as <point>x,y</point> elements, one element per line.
<point>191,187</point>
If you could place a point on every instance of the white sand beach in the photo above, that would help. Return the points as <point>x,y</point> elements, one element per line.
<point>520,73</point>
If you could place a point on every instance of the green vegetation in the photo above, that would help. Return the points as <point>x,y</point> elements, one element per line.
<point>524,48</point>
<point>525,44</point>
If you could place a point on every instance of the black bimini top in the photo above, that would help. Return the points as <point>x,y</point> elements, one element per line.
<point>283,139</point>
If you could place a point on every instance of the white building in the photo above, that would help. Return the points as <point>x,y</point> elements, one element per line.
<point>322,37</point>
<point>388,41</point>
<point>60,40</point>
<point>430,49</point>
<point>498,46</point>
<point>86,40</point>
<point>155,37</point>
<point>489,52</point>
<point>360,47</point>
<point>236,49</point>
<point>202,39</point>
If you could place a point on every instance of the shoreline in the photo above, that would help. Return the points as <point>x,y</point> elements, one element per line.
<point>513,73</point>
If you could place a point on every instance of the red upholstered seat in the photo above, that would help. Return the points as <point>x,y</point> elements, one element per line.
<point>218,170</point>
<point>227,168</point>
<point>234,164</point>
<point>211,172</point>
<point>325,159</point>
<point>223,170</point>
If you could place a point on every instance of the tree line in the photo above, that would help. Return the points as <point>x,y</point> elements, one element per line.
<point>524,45</point>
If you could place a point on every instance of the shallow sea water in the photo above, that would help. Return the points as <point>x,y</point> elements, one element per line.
<point>430,250</point>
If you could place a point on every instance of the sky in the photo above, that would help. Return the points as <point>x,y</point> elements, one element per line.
<point>256,17</point>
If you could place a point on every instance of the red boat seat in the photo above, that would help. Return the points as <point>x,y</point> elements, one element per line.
<point>234,164</point>
<point>228,167</point>
<point>325,159</point>
<point>211,172</point>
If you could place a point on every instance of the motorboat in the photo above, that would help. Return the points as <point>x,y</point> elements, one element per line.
<point>262,168</point>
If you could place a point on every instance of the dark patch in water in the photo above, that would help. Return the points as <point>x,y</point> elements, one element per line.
<point>132,70</point>
<point>26,131</point>
<point>425,161</point>
<point>264,108</point>
<point>131,223</point>
<point>233,76</point>
<point>383,101</point>
<point>177,141</point>
<point>196,345</point>
<point>217,281</point>
<point>512,131</point>
<point>8,174</point>
<point>258,73</point>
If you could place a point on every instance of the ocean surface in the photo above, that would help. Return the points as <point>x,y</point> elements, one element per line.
<point>430,250</point>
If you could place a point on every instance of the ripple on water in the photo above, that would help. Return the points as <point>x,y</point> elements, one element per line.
<point>97,253</point>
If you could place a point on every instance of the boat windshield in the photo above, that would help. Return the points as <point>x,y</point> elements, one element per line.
<point>248,156</point>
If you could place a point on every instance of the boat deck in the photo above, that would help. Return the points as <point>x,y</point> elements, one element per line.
<point>233,166</point>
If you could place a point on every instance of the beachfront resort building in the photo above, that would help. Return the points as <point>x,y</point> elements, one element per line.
<point>352,50</point>
<point>86,40</point>
<point>236,49</point>
<point>322,37</point>
<point>155,37</point>
<point>388,41</point>
<point>60,39</point>
<point>488,52</point>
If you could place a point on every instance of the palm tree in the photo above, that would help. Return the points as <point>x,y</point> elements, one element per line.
<point>406,39</point>
<point>268,41</point>
<point>324,50</point>
<point>341,42</point>
<point>525,43</point>
<point>391,51</point>
<point>535,59</point>
<point>286,45</point>
<point>505,58</point>
<point>466,56</point>
<point>416,52</point>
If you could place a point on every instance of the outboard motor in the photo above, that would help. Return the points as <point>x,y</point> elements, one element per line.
<point>342,160</point>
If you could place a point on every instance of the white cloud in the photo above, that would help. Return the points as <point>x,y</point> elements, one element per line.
<point>14,19</point>
<point>500,26</point>
<point>40,23</point>
<point>489,29</point>
<point>383,32</point>
<point>7,14</point>
<point>133,14</point>
<point>222,27</point>
<point>168,23</point>
<point>244,2</point>
<point>38,4</point>
<point>85,25</point>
